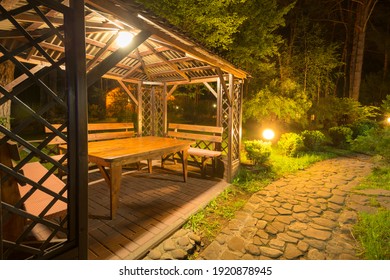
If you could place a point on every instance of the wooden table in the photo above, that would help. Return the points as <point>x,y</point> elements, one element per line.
<point>111,155</point>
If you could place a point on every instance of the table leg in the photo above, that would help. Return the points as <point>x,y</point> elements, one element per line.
<point>116,177</point>
<point>184,161</point>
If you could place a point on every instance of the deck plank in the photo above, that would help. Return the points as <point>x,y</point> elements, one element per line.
<point>151,207</point>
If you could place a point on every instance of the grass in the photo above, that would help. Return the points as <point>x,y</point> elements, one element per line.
<point>378,179</point>
<point>211,220</point>
<point>373,232</point>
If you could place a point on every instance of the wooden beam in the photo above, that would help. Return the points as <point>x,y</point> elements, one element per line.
<point>143,65</point>
<point>224,87</point>
<point>104,66</point>
<point>134,19</point>
<point>211,89</point>
<point>128,92</point>
<point>173,88</point>
<point>22,78</point>
<point>172,65</point>
<point>9,4</point>
<point>135,67</point>
<point>102,51</point>
<point>210,79</point>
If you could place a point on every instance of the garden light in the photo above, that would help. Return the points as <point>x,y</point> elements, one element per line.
<point>268,134</point>
<point>124,38</point>
<point>388,120</point>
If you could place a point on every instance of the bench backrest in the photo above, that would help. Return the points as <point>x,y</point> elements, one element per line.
<point>100,131</point>
<point>200,133</point>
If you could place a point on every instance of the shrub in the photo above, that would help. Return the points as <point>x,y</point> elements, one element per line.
<point>291,144</point>
<point>340,135</point>
<point>258,151</point>
<point>313,139</point>
<point>362,128</point>
<point>376,141</point>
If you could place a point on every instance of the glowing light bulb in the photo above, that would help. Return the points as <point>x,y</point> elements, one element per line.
<point>268,134</point>
<point>124,39</point>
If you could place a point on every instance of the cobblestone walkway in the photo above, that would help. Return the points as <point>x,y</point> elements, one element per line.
<point>308,215</point>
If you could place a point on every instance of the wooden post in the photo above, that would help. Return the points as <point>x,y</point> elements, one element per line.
<point>78,120</point>
<point>165,110</point>
<point>230,95</point>
<point>140,109</point>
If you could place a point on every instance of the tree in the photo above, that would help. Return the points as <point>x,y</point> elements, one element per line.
<point>362,11</point>
<point>211,22</point>
<point>309,59</point>
<point>243,31</point>
<point>6,76</point>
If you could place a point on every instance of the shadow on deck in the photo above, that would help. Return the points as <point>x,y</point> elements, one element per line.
<point>151,208</point>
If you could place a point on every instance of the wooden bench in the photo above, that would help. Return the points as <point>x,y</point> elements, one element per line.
<point>208,141</point>
<point>46,199</point>
<point>96,132</point>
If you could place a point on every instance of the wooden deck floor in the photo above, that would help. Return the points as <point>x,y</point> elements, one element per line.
<point>151,207</point>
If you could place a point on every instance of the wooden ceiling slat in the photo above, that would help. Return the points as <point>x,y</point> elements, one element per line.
<point>104,66</point>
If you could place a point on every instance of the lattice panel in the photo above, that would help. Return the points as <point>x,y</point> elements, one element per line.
<point>225,123</point>
<point>236,120</point>
<point>147,108</point>
<point>34,201</point>
<point>152,110</point>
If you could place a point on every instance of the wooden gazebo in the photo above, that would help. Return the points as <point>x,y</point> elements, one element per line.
<point>78,39</point>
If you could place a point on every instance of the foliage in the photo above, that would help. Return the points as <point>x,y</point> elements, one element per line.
<point>118,105</point>
<point>96,103</point>
<point>378,179</point>
<point>340,135</point>
<point>374,88</point>
<point>334,111</point>
<point>211,22</point>
<point>231,27</point>
<point>257,43</point>
<point>209,220</point>
<point>310,59</point>
<point>291,144</point>
<point>279,101</point>
<point>313,139</point>
<point>372,230</point>
<point>386,104</point>
<point>376,141</point>
<point>363,128</point>
<point>3,121</point>
<point>258,151</point>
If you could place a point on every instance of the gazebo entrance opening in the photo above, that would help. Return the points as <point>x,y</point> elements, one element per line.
<point>40,39</point>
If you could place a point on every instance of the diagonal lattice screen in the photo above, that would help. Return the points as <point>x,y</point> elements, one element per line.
<point>152,110</point>
<point>33,199</point>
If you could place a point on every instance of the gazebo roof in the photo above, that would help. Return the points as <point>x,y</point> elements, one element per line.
<point>160,54</point>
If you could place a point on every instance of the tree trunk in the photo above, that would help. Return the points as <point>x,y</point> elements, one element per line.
<point>6,76</point>
<point>363,12</point>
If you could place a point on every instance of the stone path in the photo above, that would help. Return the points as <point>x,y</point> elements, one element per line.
<point>308,215</point>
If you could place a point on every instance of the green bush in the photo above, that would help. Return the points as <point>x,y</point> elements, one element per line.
<point>313,139</point>
<point>258,151</point>
<point>362,128</point>
<point>376,141</point>
<point>340,135</point>
<point>291,144</point>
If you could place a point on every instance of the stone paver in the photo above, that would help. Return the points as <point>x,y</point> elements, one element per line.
<point>308,215</point>
<point>303,216</point>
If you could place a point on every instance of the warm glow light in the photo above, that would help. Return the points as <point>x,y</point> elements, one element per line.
<point>388,120</point>
<point>124,39</point>
<point>268,134</point>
